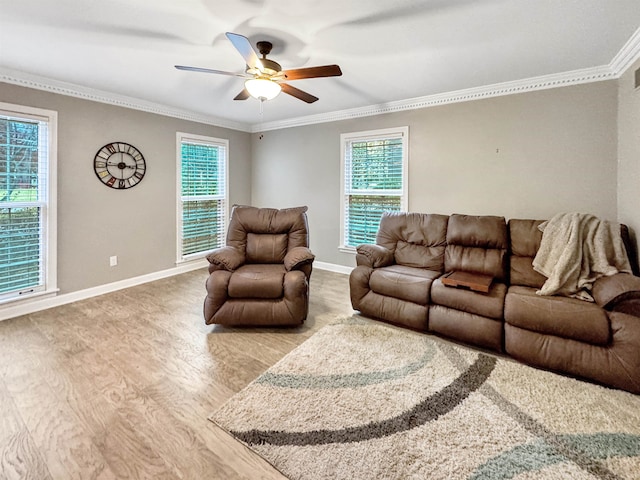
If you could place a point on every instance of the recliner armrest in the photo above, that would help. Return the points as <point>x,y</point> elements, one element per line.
<point>613,290</point>
<point>225,258</point>
<point>374,256</point>
<point>297,257</point>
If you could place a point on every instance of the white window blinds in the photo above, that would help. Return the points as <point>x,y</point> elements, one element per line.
<point>374,167</point>
<point>26,264</point>
<point>202,190</point>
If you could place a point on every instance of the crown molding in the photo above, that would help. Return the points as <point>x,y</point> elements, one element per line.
<point>37,82</point>
<point>623,60</point>
<point>574,77</point>
<point>627,55</point>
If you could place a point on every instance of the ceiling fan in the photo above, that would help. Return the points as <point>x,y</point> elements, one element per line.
<point>265,78</point>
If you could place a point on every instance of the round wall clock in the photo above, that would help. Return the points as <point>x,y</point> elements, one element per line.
<point>119,165</point>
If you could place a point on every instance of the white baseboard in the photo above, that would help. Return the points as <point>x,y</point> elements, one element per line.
<point>24,307</point>
<point>27,306</point>
<point>332,267</point>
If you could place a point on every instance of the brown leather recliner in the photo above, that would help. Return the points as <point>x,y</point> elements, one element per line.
<point>262,276</point>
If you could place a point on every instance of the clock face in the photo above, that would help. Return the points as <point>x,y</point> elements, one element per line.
<point>119,165</point>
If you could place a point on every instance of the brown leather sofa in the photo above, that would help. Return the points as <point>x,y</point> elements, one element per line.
<point>399,280</point>
<point>261,277</point>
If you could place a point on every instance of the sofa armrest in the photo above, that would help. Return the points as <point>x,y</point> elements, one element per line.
<point>613,290</point>
<point>225,258</point>
<point>297,257</point>
<point>374,256</point>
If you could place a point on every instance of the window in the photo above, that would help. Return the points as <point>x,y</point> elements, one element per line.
<point>202,194</point>
<point>27,202</point>
<point>374,167</point>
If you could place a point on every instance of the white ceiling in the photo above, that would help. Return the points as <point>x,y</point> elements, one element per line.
<point>388,50</point>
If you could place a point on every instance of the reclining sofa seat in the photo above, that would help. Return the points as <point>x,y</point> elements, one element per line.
<point>398,278</point>
<point>476,244</point>
<point>261,277</point>
<point>393,278</point>
<point>600,340</point>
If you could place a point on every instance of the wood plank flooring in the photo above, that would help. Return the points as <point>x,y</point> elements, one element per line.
<point>120,386</point>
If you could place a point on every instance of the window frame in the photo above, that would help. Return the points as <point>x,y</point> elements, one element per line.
<point>371,135</point>
<point>47,201</point>
<point>182,137</point>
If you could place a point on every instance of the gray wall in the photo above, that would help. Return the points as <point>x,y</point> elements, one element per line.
<point>139,224</point>
<point>629,150</point>
<point>527,155</point>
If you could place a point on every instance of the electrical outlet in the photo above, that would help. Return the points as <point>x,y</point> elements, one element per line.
<point>113,261</point>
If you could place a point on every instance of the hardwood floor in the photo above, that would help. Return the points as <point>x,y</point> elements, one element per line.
<point>121,385</point>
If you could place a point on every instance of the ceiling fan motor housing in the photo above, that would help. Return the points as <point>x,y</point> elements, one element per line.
<point>270,67</point>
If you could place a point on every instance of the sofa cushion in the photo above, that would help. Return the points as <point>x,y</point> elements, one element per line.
<point>417,240</point>
<point>525,241</point>
<point>466,327</point>
<point>420,256</point>
<point>266,247</point>
<point>554,315</point>
<point>482,231</point>
<point>477,244</point>
<point>289,221</point>
<point>257,281</point>
<point>489,304</point>
<point>522,273</point>
<point>477,260</point>
<point>404,283</point>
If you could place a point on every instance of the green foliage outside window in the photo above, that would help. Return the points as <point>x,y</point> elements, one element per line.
<point>19,248</point>
<point>376,165</point>
<point>364,217</point>
<point>375,182</point>
<point>201,173</point>
<point>18,161</point>
<point>202,190</point>
<point>20,232</point>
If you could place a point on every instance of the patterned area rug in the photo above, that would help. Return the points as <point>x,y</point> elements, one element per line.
<point>370,401</point>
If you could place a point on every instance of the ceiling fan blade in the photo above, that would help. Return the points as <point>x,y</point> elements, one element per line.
<point>296,92</point>
<point>243,95</point>
<point>208,70</point>
<point>245,49</point>
<point>313,72</point>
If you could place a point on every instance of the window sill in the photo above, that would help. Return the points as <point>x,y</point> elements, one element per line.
<point>344,249</point>
<point>42,295</point>
<point>194,260</point>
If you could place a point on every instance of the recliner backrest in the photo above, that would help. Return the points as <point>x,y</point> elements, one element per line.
<point>417,239</point>
<point>525,239</point>
<point>477,244</point>
<point>265,235</point>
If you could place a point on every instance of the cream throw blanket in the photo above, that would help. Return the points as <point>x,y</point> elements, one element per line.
<point>577,249</point>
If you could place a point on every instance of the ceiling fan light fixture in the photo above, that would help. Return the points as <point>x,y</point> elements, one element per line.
<point>261,88</point>
<point>264,74</point>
